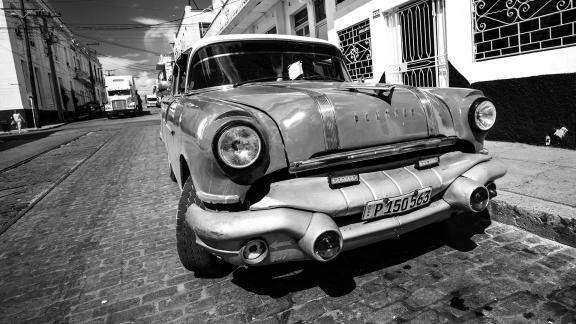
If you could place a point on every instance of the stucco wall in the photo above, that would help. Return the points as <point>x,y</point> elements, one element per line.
<point>10,84</point>
<point>460,52</point>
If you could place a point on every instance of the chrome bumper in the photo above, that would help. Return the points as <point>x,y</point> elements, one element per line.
<point>296,211</point>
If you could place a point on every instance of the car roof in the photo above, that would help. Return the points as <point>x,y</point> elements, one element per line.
<point>235,37</point>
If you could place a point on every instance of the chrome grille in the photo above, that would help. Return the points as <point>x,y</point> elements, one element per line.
<point>118,104</point>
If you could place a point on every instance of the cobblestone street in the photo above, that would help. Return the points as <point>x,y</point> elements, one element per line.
<point>100,248</point>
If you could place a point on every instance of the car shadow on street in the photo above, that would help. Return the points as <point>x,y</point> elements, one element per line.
<point>336,278</point>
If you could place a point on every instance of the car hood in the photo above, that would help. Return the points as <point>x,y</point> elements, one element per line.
<point>323,117</point>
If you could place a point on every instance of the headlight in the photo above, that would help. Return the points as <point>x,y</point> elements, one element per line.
<point>239,146</point>
<point>483,115</point>
<point>132,104</point>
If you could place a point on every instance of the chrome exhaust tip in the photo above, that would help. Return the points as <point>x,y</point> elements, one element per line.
<point>492,189</point>
<point>479,199</point>
<point>468,195</point>
<point>323,240</point>
<point>254,251</point>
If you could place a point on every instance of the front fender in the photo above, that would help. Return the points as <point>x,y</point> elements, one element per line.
<point>459,101</point>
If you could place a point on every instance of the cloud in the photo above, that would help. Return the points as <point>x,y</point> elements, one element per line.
<point>148,21</point>
<point>157,38</point>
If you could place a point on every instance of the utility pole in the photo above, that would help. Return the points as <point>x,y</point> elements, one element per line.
<point>49,38</point>
<point>35,112</point>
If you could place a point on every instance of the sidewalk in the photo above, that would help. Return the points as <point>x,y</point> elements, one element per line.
<point>28,130</point>
<point>538,193</point>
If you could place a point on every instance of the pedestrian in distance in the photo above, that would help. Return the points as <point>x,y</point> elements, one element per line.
<point>17,121</point>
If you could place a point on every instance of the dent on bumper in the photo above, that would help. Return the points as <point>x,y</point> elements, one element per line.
<point>290,226</point>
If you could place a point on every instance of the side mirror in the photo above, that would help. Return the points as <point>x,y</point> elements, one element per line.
<point>163,86</point>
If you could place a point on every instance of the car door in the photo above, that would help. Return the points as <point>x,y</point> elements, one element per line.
<point>165,102</point>
<point>173,112</point>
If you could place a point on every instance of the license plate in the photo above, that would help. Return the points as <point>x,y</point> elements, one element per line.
<point>398,204</point>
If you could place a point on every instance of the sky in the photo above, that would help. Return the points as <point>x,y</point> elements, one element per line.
<point>131,34</point>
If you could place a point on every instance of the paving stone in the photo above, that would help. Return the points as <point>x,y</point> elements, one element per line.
<point>303,313</point>
<point>424,297</point>
<point>512,236</point>
<point>566,296</point>
<point>131,314</point>
<point>389,313</point>
<point>558,261</point>
<point>162,317</point>
<point>159,294</point>
<point>116,307</point>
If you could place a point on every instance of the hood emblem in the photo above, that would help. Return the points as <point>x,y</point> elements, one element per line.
<point>394,113</point>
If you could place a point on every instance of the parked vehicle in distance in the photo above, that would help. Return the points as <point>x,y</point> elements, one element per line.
<point>280,157</point>
<point>89,109</point>
<point>122,96</point>
<point>152,101</point>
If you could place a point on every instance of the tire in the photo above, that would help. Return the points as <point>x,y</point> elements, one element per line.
<point>194,257</point>
<point>172,175</point>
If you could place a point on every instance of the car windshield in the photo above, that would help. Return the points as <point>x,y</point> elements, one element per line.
<point>119,92</point>
<point>241,62</point>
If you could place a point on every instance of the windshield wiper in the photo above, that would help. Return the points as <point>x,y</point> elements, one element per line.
<point>255,80</point>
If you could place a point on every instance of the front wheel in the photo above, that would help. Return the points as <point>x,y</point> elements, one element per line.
<point>193,256</point>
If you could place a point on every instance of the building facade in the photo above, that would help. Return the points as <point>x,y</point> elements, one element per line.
<point>194,25</point>
<point>78,73</point>
<point>520,53</point>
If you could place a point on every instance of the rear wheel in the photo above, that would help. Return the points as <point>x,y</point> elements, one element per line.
<point>193,256</point>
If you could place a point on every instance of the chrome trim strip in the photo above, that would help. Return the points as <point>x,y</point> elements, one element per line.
<point>438,176</point>
<point>370,153</point>
<point>433,128</point>
<point>329,126</point>
<point>327,114</point>
<point>346,200</point>
<point>394,181</point>
<point>217,199</point>
<point>369,187</point>
<point>415,176</point>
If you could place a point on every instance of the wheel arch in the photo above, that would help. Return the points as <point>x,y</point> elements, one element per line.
<point>184,170</point>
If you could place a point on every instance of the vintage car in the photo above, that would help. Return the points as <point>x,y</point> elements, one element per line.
<point>280,157</point>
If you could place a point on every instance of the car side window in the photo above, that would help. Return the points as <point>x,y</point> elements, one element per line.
<point>180,81</point>
<point>175,79</point>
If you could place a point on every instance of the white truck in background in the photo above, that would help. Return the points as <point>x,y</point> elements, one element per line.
<point>123,98</point>
<point>152,101</point>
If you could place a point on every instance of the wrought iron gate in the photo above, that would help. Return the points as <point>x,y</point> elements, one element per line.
<point>420,43</point>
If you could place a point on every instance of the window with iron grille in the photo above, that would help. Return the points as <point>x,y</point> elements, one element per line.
<point>356,45</point>
<point>513,27</point>
<point>301,27</point>
<point>203,26</point>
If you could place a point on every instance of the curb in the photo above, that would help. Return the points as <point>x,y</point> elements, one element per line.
<point>550,220</point>
<point>31,131</point>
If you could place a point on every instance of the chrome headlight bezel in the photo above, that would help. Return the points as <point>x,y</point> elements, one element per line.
<point>482,115</point>
<point>250,133</point>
